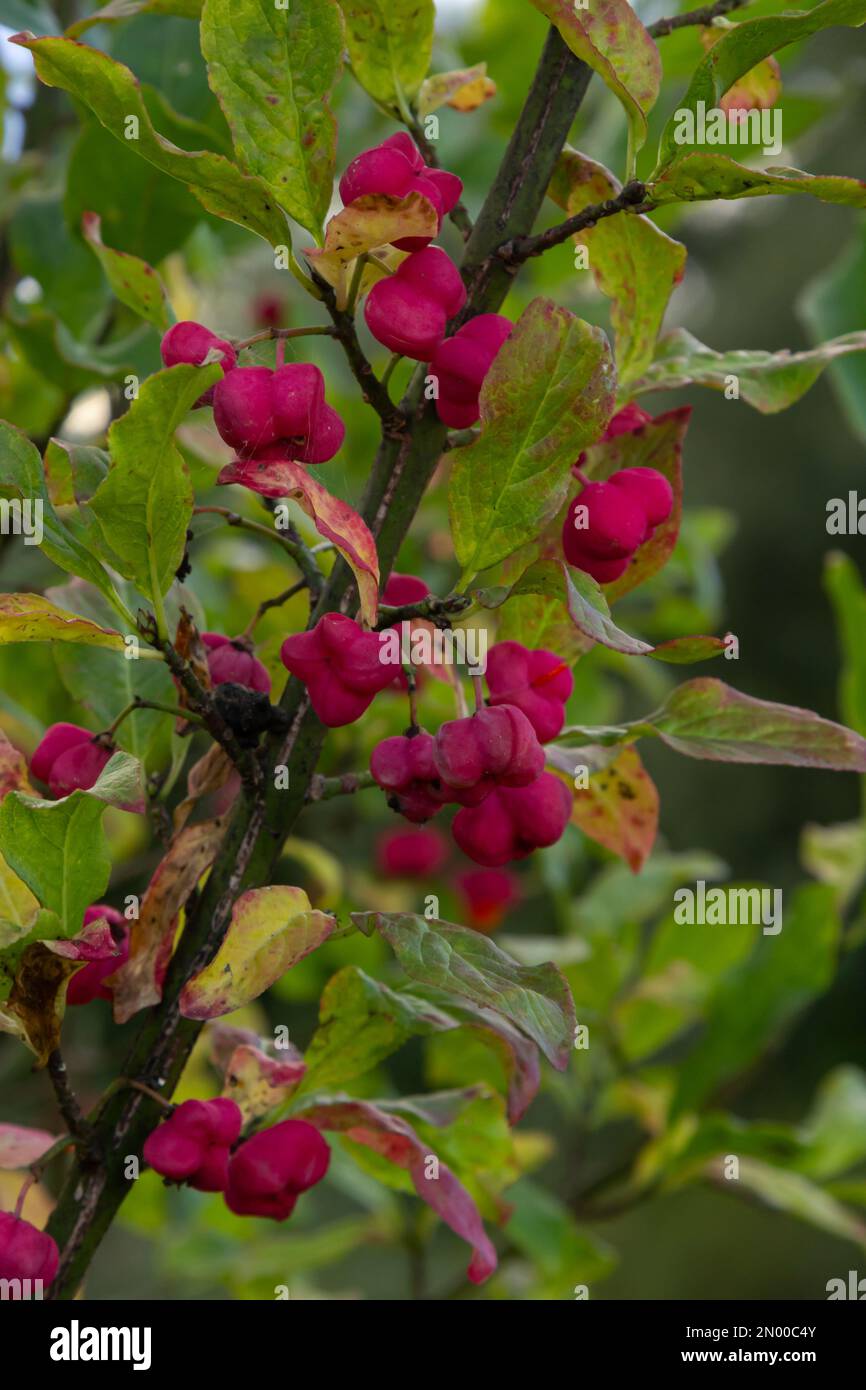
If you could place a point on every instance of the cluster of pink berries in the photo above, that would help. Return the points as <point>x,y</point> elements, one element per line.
<point>485,894</point>
<point>607,523</point>
<point>69,758</point>
<point>490,763</point>
<point>263,1176</point>
<point>408,311</point>
<point>265,414</point>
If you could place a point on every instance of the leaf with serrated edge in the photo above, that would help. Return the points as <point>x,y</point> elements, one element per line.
<point>464,963</point>
<point>769,381</point>
<point>741,49</point>
<point>273,69</point>
<point>393,1138</point>
<point>113,94</point>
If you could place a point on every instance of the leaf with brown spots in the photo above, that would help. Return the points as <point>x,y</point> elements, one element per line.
<point>620,809</point>
<point>138,983</point>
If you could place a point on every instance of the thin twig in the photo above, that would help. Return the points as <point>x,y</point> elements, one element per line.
<point>276,602</point>
<point>291,543</point>
<point>705,15</point>
<point>394,422</point>
<point>325,329</point>
<point>326,788</point>
<point>432,608</point>
<point>631,198</point>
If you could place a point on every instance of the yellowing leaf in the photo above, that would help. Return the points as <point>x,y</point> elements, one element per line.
<point>366,224</point>
<point>465,89</point>
<point>333,518</point>
<point>138,983</point>
<point>258,1083</point>
<point>270,931</point>
<point>32,618</point>
<point>620,809</point>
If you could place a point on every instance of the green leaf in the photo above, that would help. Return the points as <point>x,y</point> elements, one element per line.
<point>73,472</point>
<point>845,589</point>
<point>833,304</point>
<point>770,381</point>
<point>21,474</point>
<point>834,1131</point>
<point>701,175</point>
<point>133,281</point>
<point>112,93</point>
<point>790,1192</point>
<point>761,996</point>
<point>590,613</point>
<point>460,962</point>
<point>610,38</point>
<point>144,505</point>
<point>104,684</point>
<point>59,849</point>
<point>271,929</point>
<point>548,394</point>
<point>635,264</point>
<point>544,1230</point>
<point>361,1022</point>
<point>390,43</point>
<point>273,69</point>
<point>707,719</point>
<point>117,10</point>
<point>741,49</point>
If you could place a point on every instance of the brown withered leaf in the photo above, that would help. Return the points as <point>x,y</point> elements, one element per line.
<point>139,982</point>
<point>190,647</point>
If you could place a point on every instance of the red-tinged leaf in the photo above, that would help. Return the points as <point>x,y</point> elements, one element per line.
<point>610,38</point>
<point>394,1139</point>
<point>518,1055</point>
<point>93,942</point>
<point>684,651</point>
<point>20,1146</point>
<point>620,809</point>
<point>210,774</point>
<point>271,929</point>
<point>634,263</point>
<point>138,983</point>
<point>133,281</point>
<point>758,89</point>
<point>707,719</point>
<point>465,965</point>
<point>333,519</point>
<point>258,1083</point>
